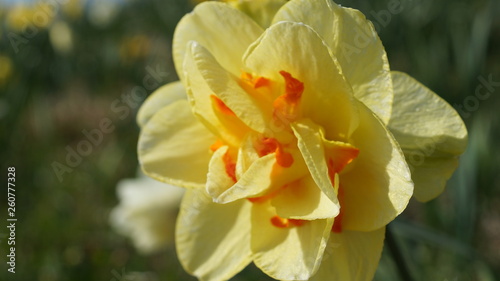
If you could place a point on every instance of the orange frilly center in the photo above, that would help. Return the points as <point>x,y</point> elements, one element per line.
<point>285,109</point>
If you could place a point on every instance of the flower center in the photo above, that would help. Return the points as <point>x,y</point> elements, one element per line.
<point>282,110</point>
<point>286,106</point>
<point>269,145</point>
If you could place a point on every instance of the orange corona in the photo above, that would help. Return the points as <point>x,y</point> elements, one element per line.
<point>255,82</point>
<point>286,105</point>
<point>270,145</point>
<point>230,166</point>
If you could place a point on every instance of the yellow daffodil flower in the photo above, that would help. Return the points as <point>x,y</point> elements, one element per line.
<point>291,142</point>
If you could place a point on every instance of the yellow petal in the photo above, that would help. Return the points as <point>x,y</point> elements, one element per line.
<point>304,200</point>
<point>356,45</point>
<point>292,253</point>
<point>327,98</point>
<point>174,147</point>
<point>264,176</point>
<point>247,154</point>
<point>430,132</point>
<point>162,97</point>
<point>351,256</point>
<point>419,112</point>
<point>218,179</point>
<point>214,25</point>
<point>256,180</point>
<point>378,186</point>
<point>311,146</point>
<point>224,85</point>
<point>431,175</point>
<point>213,240</point>
<point>221,123</point>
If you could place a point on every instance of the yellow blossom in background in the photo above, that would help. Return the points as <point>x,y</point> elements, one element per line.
<point>134,47</point>
<point>15,16</point>
<point>73,8</point>
<point>38,15</point>
<point>5,69</point>
<point>291,141</point>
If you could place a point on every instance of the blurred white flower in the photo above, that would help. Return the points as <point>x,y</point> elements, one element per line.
<point>147,212</point>
<point>61,37</point>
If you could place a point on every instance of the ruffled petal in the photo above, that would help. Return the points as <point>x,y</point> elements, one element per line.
<point>287,253</point>
<point>303,200</point>
<point>162,97</point>
<point>213,240</point>
<point>430,175</point>
<point>255,181</point>
<point>355,43</point>
<point>174,147</point>
<point>211,111</point>
<point>311,146</point>
<point>378,185</point>
<point>264,177</point>
<point>219,179</point>
<point>430,132</point>
<point>351,255</point>
<point>213,25</point>
<point>287,46</point>
<point>225,86</point>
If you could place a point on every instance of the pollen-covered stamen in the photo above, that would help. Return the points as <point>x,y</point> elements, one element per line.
<point>270,145</point>
<point>255,82</point>
<point>285,223</point>
<point>339,157</point>
<point>216,145</point>
<point>221,106</point>
<point>286,105</point>
<point>230,166</point>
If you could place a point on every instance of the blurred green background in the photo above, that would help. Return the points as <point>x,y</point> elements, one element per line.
<point>66,67</point>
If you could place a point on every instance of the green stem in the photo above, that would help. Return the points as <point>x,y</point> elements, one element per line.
<point>397,256</point>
